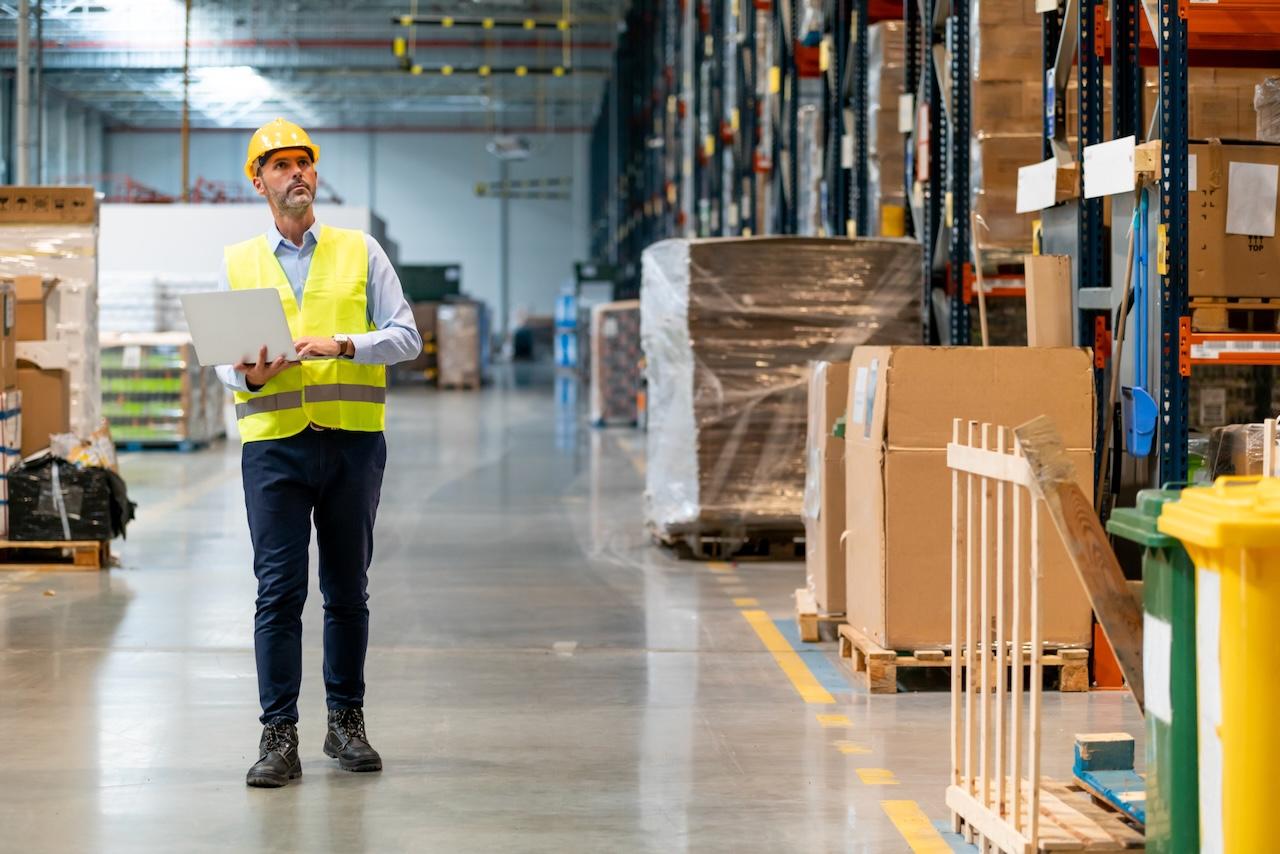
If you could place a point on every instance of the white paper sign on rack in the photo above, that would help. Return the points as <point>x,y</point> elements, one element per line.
<point>1251,199</point>
<point>1108,168</point>
<point>1037,186</point>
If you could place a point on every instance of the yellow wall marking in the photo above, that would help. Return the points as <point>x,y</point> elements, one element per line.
<point>810,690</point>
<point>746,602</point>
<point>852,748</point>
<point>829,721</point>
<point>877,777</point>
<point>921,836</point>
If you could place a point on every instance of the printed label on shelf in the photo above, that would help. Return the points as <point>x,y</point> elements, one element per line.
<point>857,412</point>
<point>1216,349</point>
<point>1213,407</point>
<point>131,357</point>
<point>1251,199</point>
<point>1191,173</point>
<point>906,113</point>
<point>1108,168</point>
<point>846,152</point>
<point>1037,186</point>
<point>1043,6</point>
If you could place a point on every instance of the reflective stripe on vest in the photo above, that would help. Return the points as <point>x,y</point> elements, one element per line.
<point>313,394</point>
<point>336,393</point>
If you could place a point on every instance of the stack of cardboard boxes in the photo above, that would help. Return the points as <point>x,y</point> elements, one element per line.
<point>886,144</point>
<point>50,240</point>
<point>10,399</point>
<point>894,565</point>
<point>615,355</point>
<point>459,327</point>
<point>155,392</point>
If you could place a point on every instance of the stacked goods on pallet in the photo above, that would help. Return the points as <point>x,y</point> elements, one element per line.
<point>886,145</point>
<point>615,353</point>
<point>898,488</point>
<point>49,252</point>
<point>10,448</point>
<point>458,327</point>
<point>426,365</point>
<point>824,486</point>
<point>729,328</point>
<point>144,302</point>
<point>1220,101</point>
<point>154,391</point>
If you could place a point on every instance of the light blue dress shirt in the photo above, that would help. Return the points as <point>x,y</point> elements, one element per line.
<point>395,338</point>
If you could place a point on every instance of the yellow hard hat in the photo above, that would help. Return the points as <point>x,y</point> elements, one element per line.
<point>273,136</point>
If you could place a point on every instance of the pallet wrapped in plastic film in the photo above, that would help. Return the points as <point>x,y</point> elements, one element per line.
<point>729,327</point>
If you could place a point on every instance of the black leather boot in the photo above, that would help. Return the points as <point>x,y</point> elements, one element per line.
<point>278,761</point>
<point>348,743</point>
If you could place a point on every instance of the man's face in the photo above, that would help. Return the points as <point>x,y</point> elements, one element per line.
<point>288,180</point>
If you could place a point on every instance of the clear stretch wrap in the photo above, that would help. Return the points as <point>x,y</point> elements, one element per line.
<point>729,327</point>
<point>1266,103</point>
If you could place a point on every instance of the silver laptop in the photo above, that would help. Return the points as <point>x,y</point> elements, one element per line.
<point>229,327</point>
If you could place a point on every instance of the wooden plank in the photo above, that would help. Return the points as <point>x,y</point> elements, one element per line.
<point>980,818</point>
<point>1105,831</point>
<point>50,544</point>
<point>1104,751</point>
<point>1072,821</point>
<point>1087,546</point>
<point>930,656</point>
<point>47,567</point>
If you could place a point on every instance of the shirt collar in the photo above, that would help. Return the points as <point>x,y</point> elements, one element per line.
<point>275,238</point>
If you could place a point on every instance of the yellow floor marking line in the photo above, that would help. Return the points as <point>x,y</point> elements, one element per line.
<point>852,748</point>
<point>831,721</point>
<point>746,602</point>
<point>877,776</point>
<point>920,834</point>
<point>719,566</point>
<point>809,688</point>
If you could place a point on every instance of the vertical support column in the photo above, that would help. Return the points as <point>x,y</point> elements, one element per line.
<point>1173,225</point>
<point>933,167</point>
<point>791,96</point>
<point>1126,73</point>
<point>1094,253</point>
<point>861,207</point>
<point>911,86</point>
<point>688,140</point>
<point>22,98</point>
<point>1055,111</point>
<point>958,175</point>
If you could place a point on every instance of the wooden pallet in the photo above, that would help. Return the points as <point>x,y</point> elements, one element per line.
<point>810,619</point>
<point>877,667</point>
<point>1235,314</point>
<point>1069,821</point>
<point>467,386</point>
<point>775,545</point>
<point>184,446</point>
<point>55,555</point>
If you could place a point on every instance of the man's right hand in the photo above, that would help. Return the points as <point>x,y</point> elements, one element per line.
<point>257,374</point>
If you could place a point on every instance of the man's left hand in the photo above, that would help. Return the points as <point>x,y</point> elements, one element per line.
<point>317,348</point>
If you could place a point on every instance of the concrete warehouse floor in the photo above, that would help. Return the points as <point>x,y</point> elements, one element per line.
<point>540,677</point>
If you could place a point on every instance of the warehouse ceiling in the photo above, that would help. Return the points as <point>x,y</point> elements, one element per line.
<point>328,63</point>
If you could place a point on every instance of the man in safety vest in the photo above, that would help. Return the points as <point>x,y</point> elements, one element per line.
<point>313,445</point>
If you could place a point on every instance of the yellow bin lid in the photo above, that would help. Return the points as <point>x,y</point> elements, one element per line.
<point>1236,512</point>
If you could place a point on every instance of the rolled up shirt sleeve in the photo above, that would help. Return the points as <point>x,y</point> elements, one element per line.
<point>396,337</point>
<point>231,378</point>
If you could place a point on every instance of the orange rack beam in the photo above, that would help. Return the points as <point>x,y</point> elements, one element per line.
<point>1229,32</point>
<point>1225,348</point>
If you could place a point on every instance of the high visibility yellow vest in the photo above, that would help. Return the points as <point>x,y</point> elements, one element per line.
<point>328,392</point>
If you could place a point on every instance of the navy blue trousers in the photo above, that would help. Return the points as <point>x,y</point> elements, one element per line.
<point>333,477</point>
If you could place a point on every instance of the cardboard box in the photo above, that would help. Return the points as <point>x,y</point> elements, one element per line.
<point>1003,51</point>
<point>898,486</point>
<point>46,406</point>
<point>48,204</point>
<point>33,299</point>
<point>1221,264</point>
<point>824,487</point>
<point>8,337</point>
<point>1048,300</point>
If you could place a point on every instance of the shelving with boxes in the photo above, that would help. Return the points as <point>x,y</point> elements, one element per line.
<point>155,393</point>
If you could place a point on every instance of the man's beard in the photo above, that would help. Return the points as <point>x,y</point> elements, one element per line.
<point>285,203</point>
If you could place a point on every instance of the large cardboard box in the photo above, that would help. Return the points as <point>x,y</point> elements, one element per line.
<point>824,486</point>
<point>1221,264</point>
<point>1049,308</point>
<point>46,406</point>
<point>33,299</point>
<point>48,205</point>
<point>898,487</point>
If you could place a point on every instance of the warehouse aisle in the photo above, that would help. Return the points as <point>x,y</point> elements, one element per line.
<point>540,678</point>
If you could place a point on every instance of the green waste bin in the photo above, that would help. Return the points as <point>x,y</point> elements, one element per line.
<point>1169,674</point>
